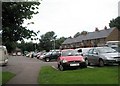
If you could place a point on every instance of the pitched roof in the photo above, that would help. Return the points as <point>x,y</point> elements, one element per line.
<point>89,36</point>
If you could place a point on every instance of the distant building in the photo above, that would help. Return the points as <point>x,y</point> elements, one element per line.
<point>92,39</point>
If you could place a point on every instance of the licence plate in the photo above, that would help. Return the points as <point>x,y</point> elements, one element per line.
<point>77,64</point>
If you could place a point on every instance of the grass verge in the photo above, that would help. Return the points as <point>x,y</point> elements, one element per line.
<point>97,75</point>
<point>5,77</point>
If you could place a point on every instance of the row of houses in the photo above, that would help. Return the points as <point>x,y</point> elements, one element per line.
<point>92,39</point>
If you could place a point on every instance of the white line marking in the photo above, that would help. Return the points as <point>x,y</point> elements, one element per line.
<point>90,67</point>
<point>54,67</point>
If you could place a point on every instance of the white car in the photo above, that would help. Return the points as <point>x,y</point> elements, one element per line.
<point>14,53</point>
<point>3,55</point>
<point>19,53</point>
<point>83,51</point>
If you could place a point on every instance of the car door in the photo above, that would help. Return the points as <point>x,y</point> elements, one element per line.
<point>89,55</point>
<point>95,56</point>
<point>54,55</point>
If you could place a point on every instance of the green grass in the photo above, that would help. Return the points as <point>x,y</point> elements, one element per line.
<point>5,77</point>
<point>98,75</point>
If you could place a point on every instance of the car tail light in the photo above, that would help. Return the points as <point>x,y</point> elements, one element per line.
<point>64,61</point>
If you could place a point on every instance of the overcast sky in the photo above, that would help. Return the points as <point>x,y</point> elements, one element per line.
<point>67,17</point>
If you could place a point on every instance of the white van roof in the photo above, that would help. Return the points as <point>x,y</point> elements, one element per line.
<point>1,46</point>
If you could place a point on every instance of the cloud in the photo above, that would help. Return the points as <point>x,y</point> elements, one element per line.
<point>67,17</point>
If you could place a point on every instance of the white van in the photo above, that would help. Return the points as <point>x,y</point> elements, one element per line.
<point>112,43</point>
<point>83,51</point>
<point>3,55</point>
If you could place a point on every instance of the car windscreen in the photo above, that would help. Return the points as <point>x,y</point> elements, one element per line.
<point>69,53</point>
<point>106,50</point>
<point>48,53</point>
<point>116,48</point>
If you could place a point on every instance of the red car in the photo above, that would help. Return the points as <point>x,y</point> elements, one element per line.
<point>70,58</point>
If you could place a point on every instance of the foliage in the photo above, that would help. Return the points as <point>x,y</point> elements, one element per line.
<point>77,34</point>
<point>115,23</point>
<point>84,32</point>
<point>59,41</point>
<point>24,46</point>
<point>46,41</point>
<point>13,15</point>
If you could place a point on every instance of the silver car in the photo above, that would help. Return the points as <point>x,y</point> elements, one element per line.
<point>3,56</point>
<point>102,55</point>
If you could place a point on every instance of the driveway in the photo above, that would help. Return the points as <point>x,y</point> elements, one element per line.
<point>26,69</point>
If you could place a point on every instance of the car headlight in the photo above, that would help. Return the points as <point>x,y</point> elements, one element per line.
<point>64,61</point>
<point>83,59</point>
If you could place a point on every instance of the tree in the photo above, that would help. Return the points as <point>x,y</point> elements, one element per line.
<point>84,32</point>
<point>46,41</point>
<point>59,42</point>
<point>115,23</point>
<point>77,34</point>
<point>24,46</point>
<point>13,15</point>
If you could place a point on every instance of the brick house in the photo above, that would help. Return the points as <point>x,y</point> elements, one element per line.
<point>90,39</point>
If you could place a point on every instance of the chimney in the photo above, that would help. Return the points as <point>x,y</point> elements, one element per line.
<point>105,28</point>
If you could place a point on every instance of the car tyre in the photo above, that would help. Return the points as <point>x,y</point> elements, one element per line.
<point>61,68</point>
<point>83,65</point>
<point>87,62</point>
<point>47,59</point>
<point>101,63</point>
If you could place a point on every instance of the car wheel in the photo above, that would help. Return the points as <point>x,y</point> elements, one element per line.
<point>87,62</point>
<point>119,63</point>
<point>101,63</point>
<point>83,65</point>
<point>47,59</point>
<point>61,68</point>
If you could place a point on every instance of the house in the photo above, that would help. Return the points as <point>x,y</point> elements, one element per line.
<point>90,39</point>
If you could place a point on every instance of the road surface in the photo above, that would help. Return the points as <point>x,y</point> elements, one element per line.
<point>26,69</point>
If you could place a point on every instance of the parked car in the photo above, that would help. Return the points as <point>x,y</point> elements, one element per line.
<point>3,55</point>
<point>14,53</point>
<point>83,51</point>
<point>41,55</point>
<point>52,55</point>
<point>70,58</point>
<point>29,54</point>
<point>102,55</point>
<point>19,53</point>
<point>116,48</point>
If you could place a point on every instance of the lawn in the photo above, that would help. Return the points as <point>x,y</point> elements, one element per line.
<point>97,75</point>
<point>6,76</point>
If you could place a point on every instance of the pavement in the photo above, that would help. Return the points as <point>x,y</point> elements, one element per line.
<point>26,69</point>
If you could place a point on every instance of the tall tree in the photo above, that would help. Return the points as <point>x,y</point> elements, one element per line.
<point>13,15</point>
<point>59,41</point>
<point>47,40</point>
<point>115,23</point>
